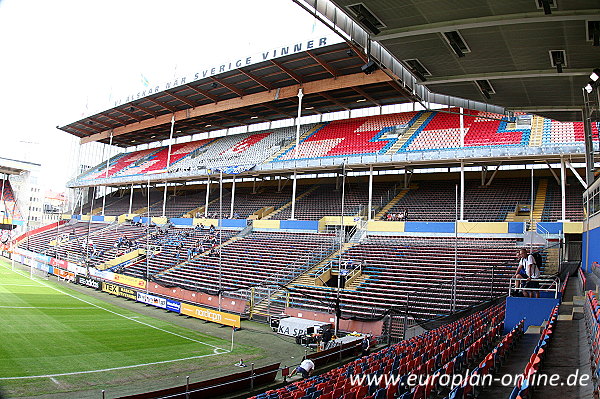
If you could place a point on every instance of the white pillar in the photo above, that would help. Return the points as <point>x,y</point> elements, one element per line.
<point>130,198</point>
<point>165,201</point>
<point>462,128</point>
<point>207,195</point>
<point>292,217</point>
<point>300,95</point>
<point>106,172</point>
<point>370,216</point>
<point>563,189</point>
<point>462,190</point>
<point>232,197</point>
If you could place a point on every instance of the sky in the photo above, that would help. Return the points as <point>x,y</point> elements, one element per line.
<point>62,59</point>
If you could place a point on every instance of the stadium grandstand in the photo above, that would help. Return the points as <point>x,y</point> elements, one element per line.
<point>374,188</point>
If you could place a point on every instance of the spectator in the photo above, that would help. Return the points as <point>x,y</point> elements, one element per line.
<point>365,345</point>
<point>305,368</point>
<point>212,229</point>
<point>527,270</point>
<point>326,338</point>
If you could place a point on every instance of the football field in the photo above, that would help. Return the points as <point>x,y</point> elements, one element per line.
<point>54,339</point>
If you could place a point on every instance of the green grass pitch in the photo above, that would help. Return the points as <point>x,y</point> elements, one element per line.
<point>49,331</point>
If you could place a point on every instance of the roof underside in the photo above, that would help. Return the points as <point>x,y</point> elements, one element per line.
<point>331,78</point>
<point>509,44</point>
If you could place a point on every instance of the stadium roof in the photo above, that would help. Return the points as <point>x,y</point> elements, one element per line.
<point>464,45</point>
<point>330,76</point>
<point>14,167</point>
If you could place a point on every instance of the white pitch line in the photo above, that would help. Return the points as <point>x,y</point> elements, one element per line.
<point>46,307</point>
<point>28,377</point>
<point>120,315</point>
<point>18,285</point>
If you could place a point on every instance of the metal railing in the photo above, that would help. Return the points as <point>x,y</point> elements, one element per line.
<point>551,285</point>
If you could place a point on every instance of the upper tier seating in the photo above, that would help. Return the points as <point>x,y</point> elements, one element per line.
<point>565,132</point>
<point>357,136</point>
<point>442,130</point>
<point>252,260</point>
<point>371,135</point>
<point>10,200</point>
<point>246,203</point>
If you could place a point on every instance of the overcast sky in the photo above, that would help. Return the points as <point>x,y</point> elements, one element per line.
<point>62,57</point>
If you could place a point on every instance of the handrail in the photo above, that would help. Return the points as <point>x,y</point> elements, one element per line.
<point>554,285</point>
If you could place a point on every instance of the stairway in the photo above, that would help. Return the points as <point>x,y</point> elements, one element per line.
<point>537,131</point>
<point>293,143</point>
<point>394,201</point>
<point>277,302</point>
<point>540,200</point>
<point>276,211</point>
<point>409,132</point>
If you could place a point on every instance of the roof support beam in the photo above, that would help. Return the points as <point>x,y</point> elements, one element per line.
<point>129,114</point>
<point>319,86</point>
<point>256,79</point>
<point>146,110</point>
<point>228,86</point>
<point>506,75</point>
<point>323,64</point>
<point>333,100</point>
<point>168,107</point>
<point>182,99</point>
<point>365,95</point>
<point>204,93</point>
<point>486,22</point>
<point>287,71</point>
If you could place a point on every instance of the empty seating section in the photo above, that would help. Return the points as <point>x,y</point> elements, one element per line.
<point>359,136</point>
<point>523,388</point>
<point>140,201</point>
<point>449,349</point>
<point>591,309</point>
<point>442,130</point>
<point>179,204</point>
<point>424,269</point>
<point>573,200</point>
<point>246,203</point>
<point>9,201</point>
<point>169,254</point>
<point>350,137</point>
<point>257,258</point>
<point>73,235</point>
<point>326,200</point>
<point>241,149</point>
<point>565,132</point>
<point>435,201</point>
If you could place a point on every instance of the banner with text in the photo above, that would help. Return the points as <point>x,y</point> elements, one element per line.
<point>215,316</point>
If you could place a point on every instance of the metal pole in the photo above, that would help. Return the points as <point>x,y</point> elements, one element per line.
<point>207,195</point>
<point>455,254</point>
<point>187,387</point>
<point>370,215</point>
<point>148,239</point>
<point>563,189</point>
<point>462,128</point>
<point>130,198</point>
<point>220,235</point>
<point>342,233</point>
<point>532,201</point>
<point>292,216</point>
<point>232,197</point>
<point>106,173</point>
<point>462,189</point>
<point>300,95</point>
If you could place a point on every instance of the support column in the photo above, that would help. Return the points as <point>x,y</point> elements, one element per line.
<point>462,128</point>
<point>207,195</point>
<point>370,215</point>
<point>165,201</point>
<point>292,216</point>
<point>130,198</point>
<point>462,190</point>
<point>563,189</point>
<point>300,95</point>
<point>232,197</point>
